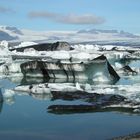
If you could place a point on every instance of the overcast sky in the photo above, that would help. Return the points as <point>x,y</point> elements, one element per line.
<point>71,14</point>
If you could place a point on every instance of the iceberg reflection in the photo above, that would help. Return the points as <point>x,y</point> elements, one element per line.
<point>1,100</point>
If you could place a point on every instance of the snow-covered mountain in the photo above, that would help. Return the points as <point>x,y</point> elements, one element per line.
<point>78,36</point>
<point>107,32</point>
<point>6,36</point>
<point>9,33</point>
<point>11,30</point>
<point>14,34</point>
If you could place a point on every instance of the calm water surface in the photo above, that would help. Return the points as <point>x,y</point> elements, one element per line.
<point>32,121</point>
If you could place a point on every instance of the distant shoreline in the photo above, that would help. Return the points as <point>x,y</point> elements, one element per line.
<point>133,136</point>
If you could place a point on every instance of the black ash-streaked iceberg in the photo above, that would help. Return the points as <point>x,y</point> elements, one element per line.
<point>97,69</point>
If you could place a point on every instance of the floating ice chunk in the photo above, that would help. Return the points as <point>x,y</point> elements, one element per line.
<point>109,90</point>
<point>15,77</point>
<point>25,44</point>
<point>81,56</point>
<point>9,96</point>
<point>110,47</point>
<point>118,65</point>
<point>78,87</point>
<point>22,88</point>
<point>8,93</point>
<point>60,55</point>
<point>30,50</point>
<point>4,43</point>
<point>87,47</point>
<point>14,68</point>
<point>100,78</point>
<point>102,90</point>
<point>136,110</point>
<point>126,105</point>
<point>88,87</point>
<point>45,88</point>
<point>10,68</point>
<point>39,89</point>
<point>4,51</point>
<point>35,89</point>
<point>61,87</point>
<point>4,69</point>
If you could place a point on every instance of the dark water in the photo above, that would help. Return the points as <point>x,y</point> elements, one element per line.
<point>28,118</point>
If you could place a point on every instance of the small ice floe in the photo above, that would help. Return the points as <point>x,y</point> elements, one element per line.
<point>81,56</point>
<point>4,48</point>
<point>127,70</point>
<point>64,87</point>
<point>60,55</point>
<point>25,44</point>
<point>48,87</point>
<point>100,77</point>
<point>131,92</point>
<point>88,87</point>
<point>36,89</point>
<point>137,110</point>
<point>81,47</point>
<point>4,69</point>
<point>8,93</point>
<point>104,90</point>
<point>78,87</point>
<point>15,77</point>
<point>14,68</point>
<point>127,104</point>
<point>22,88</point>
<point>118,65</point>
<point>4,43</point>
<point>30,51</point>
<point>10,68</point>
<point>8,96</point>
<point>134,55</point>
<point>39,91</point>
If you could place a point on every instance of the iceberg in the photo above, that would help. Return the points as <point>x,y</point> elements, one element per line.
<point>97,69</point>
<point>57,46</point>
<point>8,96</point>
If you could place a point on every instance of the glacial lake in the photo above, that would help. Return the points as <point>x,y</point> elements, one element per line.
<point>25,117</point>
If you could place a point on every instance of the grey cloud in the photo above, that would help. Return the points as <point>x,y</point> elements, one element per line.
<point>6,10</point>
<point>42,15</point>
<point>68,19</point>
<point>81,19</point>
